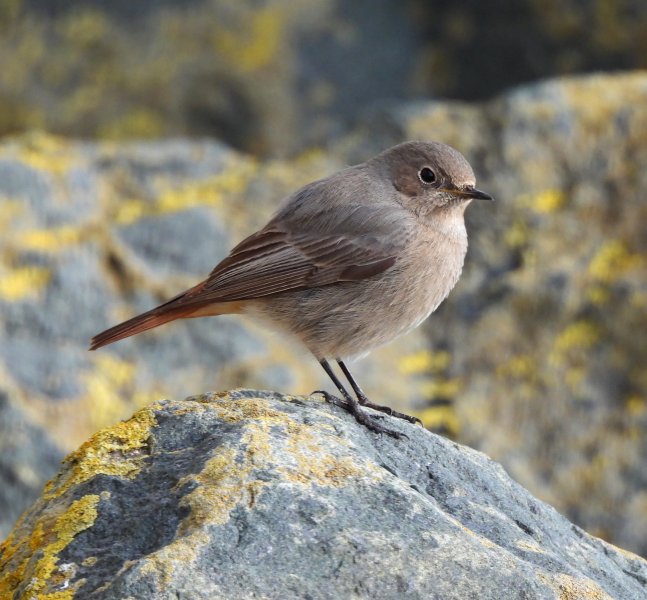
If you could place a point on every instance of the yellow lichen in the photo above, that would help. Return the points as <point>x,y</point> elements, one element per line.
<point>45,152</point>
<point>85,27</point>
<point>517,235</point>
<point>22,282</point>
<point>442,387</point>
<point>211,191</point>
<point>307,166</point>
<point>522,366</point>
<point>309,462</point>
<point>10,208</point>
<point>221,485</point>
<point>129,210</point>
<point>256,45</point>
<point>313,463</point>
<point>529,546</point>
<point>105,386</point>
<point>578,336</point>
<point>611,261</point>
<point>141,123</point>
<point>48,240</point>
<point>638,300</point>
<point>49,536</point>
<point>598,295</point>
<point>424,361</point>
<point>574,377</point>
<point>598,99</point>
<point>548,201</point>
<point>116,450</point>
<point>229,479</point>
<point>636,405</point>
<point>578,588</point>
<point>440,418</point>
<point>232,180</point>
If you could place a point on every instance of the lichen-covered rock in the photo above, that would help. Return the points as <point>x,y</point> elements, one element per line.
<point>95,233</point>
<point>27,458</point>
<point>538,342</point>
<point>256,495</point>
<point>536,357</point>
<point>275,76</point>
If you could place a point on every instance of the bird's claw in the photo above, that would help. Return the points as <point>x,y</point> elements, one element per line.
<point>360,415</point>
<point>389,411</point>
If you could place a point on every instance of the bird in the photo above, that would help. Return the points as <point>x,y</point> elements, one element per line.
<point>347,263</point>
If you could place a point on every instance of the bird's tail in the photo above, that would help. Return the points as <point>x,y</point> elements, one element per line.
<point>160,315</point>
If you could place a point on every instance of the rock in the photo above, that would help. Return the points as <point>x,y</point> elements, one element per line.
<point>97,233</point>
<point>28,457</point>
<point>532,358</point>
<point>537,342</point>
<point>275,77</point>
<point>266,79</point>
<point>253,494</point>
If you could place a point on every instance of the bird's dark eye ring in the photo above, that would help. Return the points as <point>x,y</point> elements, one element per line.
<point>427,175</point>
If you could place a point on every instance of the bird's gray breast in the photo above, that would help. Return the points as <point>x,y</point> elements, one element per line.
<point>429,270</point>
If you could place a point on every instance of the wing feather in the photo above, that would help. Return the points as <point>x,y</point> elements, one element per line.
<point>273,261</point>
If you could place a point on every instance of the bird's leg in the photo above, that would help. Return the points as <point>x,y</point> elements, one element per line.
<point>364,401</point>
<point>352,405</point>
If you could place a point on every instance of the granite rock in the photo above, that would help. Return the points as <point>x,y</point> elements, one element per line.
<point>253,494</point>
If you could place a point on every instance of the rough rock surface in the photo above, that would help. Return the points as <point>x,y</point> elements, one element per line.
<point>534,358</point>
<point>252,494</point>
<point>28,457</point>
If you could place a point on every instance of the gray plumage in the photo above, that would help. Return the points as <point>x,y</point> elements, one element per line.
<point>382,209</point>
<point>348,262</point>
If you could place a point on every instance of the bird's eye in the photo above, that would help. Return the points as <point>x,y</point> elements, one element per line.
<point>427,175</point>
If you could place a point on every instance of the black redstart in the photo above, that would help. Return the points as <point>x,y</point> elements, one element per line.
<point>348,263</point>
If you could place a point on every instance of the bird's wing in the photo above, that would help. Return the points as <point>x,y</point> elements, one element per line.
<point>272,261</point>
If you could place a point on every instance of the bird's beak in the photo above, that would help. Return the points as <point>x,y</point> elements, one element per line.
<point>470,192</point>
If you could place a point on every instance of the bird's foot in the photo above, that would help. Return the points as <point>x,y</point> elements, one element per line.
<point>364,401</point>
<point>361,416</point>
<point>328,397</point>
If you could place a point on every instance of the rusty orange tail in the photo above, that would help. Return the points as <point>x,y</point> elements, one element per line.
<point>143,322</point>
<point>158,316</point>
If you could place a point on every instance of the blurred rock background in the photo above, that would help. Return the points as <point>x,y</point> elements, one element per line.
<point>140,141</point>
<point>272,77</point>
